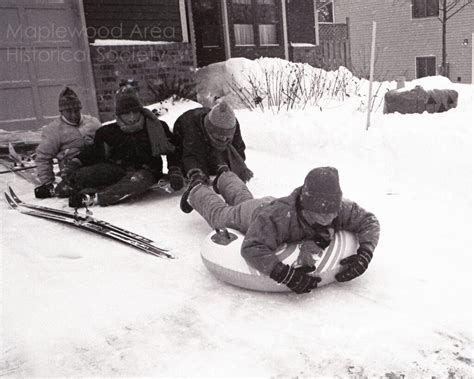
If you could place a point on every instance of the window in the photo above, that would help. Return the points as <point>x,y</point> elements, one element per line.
<point>425,66</point>
<point>243,34</point>
<point>267,34</point>
<point>425,8</point>
<point>325,12</point>
<point>252,17</point>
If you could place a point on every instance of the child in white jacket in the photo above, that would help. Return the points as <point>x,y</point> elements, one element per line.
<point>63,139</point>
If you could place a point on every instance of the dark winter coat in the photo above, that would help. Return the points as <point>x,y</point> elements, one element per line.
<point>280,221</point>
<point>132,151</point>
<point>194,147</point>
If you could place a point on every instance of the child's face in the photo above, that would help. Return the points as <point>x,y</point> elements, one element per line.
<point>73,115</point>
<point>130,117</point>
<point>323,219</point>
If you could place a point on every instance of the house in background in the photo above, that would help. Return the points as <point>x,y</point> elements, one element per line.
<point>91,45</point>
<point>409,38</point>
<point>330,33</point>
<point>286,29</point>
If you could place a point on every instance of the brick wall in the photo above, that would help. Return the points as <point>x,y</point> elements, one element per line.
<point>400,38</point>
<point>150,65</point>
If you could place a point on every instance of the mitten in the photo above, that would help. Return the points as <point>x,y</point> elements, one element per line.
<point>176,178</point>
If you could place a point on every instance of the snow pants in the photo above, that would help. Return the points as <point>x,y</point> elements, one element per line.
<point>112,182</point>
<point>235,209</point>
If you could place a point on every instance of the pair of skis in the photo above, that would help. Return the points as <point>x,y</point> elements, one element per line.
<point>86,222</point>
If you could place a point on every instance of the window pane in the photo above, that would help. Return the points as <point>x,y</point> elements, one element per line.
<point>432,8</point>
<point>326,13</point>
<point>425,66</point>
<point>267,34</point>
<point>418,8</point>
<point>267,13</point>
<point>268,2</point>
<point>242,14</point>
<point>425,8</point>
<point>242,2</point>
<point>431,66</point>
<point>420,68</point>
<point>243,34</point>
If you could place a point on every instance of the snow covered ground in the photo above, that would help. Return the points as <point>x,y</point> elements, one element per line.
<point>74,304</point>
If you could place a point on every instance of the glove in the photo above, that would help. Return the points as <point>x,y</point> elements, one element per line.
<point>45,191</point>
<point>70,166</point>
<point>356,264</point>
<point>176,178</point>
<point>63,189</point>
<point>296,279</point>
<point>196,176</point>
<point>138,176</point>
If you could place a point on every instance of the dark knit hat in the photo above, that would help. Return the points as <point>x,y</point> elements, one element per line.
<point>221,120</point>
<point>126,100</point>
<point>321,192</point>
<point>68,100</point>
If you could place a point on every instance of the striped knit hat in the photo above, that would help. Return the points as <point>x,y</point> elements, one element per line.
<point>221,120</point>
<point>68,100</point>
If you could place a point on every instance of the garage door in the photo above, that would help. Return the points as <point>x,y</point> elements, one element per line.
<point>43,47</point>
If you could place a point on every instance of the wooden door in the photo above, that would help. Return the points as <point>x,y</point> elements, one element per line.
<point>207,18</point>
<point>43,47</point>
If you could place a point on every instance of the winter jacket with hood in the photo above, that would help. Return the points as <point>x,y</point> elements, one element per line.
<point>63,141</point>
<point>280,221</point>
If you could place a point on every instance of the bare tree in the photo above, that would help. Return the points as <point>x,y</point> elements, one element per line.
<point>447,10</point>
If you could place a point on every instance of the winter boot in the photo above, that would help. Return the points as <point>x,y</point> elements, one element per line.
<point>196,177</point>
<point>45,191</point>
<point>81,200</point>
<point>220,170</point>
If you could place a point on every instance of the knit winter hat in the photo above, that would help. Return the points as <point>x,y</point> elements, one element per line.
<point>68,100</point>
<point>220,120</point>
<point>321,192</point>
<point>126,100</point>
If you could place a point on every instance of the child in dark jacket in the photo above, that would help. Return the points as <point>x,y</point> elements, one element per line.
<point>209,141</point>
<point>314,212</point>
<point>125,159</point>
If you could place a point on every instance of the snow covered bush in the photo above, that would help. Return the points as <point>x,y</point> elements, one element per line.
<point>277,84</point>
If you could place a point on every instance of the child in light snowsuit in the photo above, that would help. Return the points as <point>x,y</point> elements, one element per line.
<point>64,138</point>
